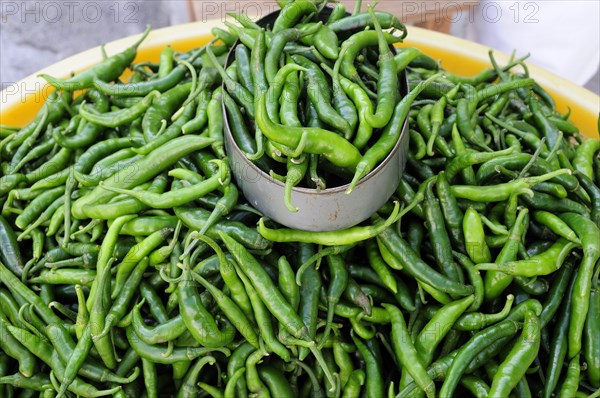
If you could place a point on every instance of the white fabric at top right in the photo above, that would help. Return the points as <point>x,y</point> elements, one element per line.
<point>561,36</point>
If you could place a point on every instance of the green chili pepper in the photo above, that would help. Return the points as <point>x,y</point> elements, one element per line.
<point>109,69</point>
<point>470,159</point>
<point>542,264</point>
<point>352,388</point>
<point>157,354</point>
<point>362,20</point>
<point>557,226</point>
<point>584,157</point>
<point>431,335</point>
<point>37,152</point>
<point>174,130</point>
<point>120,117</point>
<point>469,351</point>
<point>556,293</point>
<point>475,385</point>
<point>542,201</point>
<point>522,354</point>
<point>319,95</point>
<point>310,282</point>
<point>236,287</point>
<point>389,136</point>
<point>46,353</point>
<point>263,319</point>
<point>558,346</point>
<point>236,363</point>
<point>199,321</point>
<point>287,282</point>
<point>380,267</point>
<point>476,246</point>
<point>197,217</point>
<point>272,297</point>
<point>587,231</point>
<point>278,42</point>
<point>13,348</point>
<point>341,237</point>
<point>53,109</point>
<point>312,140</point>
<point>276,88</point>
<point>9,248</point>
<point>337,13</point>
<point>438,235</point>
<point>38,382</point>
<point>437,117</point>
<point>591,343</point>
<point>337,285</point>
<point>387,81</point>
<point>276,381</point>
<point>163,109</point>
<point>37,206</point>
<point>501,192</point>
<point>161,84</point>
<point>416,267</point>
<point>453,215</point>
<point>476,320</point>
<point>227,305</point>
<point>180,196</point>
<point>549,131</point>
<point>362,104</point>
<point>594,194</point>
<point>143,169</point>
<point>571,382</point>
<point>292,12</point>
<point>167,331</point>
<point>406,353</point>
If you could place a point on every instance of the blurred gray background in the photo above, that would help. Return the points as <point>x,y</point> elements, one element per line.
<point>35,34</point>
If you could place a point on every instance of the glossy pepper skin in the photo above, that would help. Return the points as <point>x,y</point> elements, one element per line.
<point>145,168</point>
<point>318,141</point>
<point>109,69</point>
<point>588,232</point>
<point>591,343</point>
<point>9,248</point>
<point>525,350</point>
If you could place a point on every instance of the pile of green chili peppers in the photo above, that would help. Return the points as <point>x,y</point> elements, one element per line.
<point>131,265</point>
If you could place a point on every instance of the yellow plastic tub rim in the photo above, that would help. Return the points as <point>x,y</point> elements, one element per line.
<point>20,102</point>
